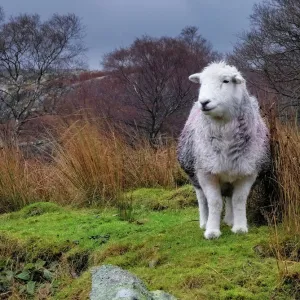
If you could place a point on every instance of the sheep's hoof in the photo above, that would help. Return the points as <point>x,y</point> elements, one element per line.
<point>239,229</point>
<point>212,234</point>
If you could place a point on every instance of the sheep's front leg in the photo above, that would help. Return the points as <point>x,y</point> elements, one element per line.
<point>203,209</point>
<point>212,192</point>
<point>240,194</point>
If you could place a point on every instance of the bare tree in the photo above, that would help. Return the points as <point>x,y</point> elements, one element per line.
<point>154,74</point>
<point>34,55</point>
<point>272,49</point>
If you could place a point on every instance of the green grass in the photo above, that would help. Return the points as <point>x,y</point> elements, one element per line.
<point>164,247</point>
<point>160,199</point>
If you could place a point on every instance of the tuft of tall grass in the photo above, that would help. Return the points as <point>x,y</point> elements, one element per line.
<point>86,167</point>
<point>287,165</point>
<point>94,164</point>
<point>285,150</point>
<point>20,180</point>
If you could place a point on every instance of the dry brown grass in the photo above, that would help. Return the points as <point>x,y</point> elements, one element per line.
<point>285,237</point>
<point>93,164</point>
<point>87,166</point>
<point>20,180</point>
<point>287,165</point>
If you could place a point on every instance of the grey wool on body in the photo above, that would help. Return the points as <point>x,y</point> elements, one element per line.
<point>223,147</point>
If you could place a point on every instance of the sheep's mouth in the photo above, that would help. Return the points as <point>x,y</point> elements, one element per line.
<point>207,109</point>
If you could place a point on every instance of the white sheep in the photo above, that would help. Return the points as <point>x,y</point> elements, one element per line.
<point>223,146</point>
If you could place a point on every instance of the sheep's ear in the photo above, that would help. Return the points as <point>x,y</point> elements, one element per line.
<point>237,79</point>
<point>195,77</point>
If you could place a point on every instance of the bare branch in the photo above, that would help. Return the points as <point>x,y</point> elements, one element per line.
<point>272,47</point>
<point>154,73</point>
<point>34,58</point>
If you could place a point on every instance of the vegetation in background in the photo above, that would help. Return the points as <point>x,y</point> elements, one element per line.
<point>20,180</point>
<point>94,164</point>
<point>153,73</point>
<point>269,51</point>
<point>35,57</point>
<point>91,164</point>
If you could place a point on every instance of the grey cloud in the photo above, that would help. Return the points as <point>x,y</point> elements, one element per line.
<point>114,23</point>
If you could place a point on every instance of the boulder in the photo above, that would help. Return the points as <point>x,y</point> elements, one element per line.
<point>113,283</point>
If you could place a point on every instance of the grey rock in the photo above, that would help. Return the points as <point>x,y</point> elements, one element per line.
<point>161,295</point>
<point>127,294</point>
<point>113,283</point>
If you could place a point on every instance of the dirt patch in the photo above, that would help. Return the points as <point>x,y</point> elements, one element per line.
<point>78,263</point>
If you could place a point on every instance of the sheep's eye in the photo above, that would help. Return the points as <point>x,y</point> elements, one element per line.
<point>225,81</point>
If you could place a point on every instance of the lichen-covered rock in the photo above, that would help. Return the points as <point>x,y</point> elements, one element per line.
<point>113,283</point>
<point>161,295</point>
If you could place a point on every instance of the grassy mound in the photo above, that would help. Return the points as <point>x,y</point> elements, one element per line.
<point>48,251</point>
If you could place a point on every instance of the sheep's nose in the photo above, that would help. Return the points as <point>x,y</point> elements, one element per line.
<point>204,103</point>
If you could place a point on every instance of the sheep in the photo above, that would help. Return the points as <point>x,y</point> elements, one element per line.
<point>222,147</point>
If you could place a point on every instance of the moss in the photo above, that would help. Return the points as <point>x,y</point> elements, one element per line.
<point>160,199</point>
<point>35,209</point>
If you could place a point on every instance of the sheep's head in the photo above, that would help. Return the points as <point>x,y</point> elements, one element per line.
<point>221,91</point>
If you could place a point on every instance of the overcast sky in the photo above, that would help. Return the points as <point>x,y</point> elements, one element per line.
<point>113,23</point>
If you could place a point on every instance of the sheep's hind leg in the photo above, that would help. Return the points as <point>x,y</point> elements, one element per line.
<point>212,192</point>
<point>203,209</point>
<point>239,200</point>
<point>228,218</point>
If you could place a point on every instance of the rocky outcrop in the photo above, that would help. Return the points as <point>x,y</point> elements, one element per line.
<point>113,283</point>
